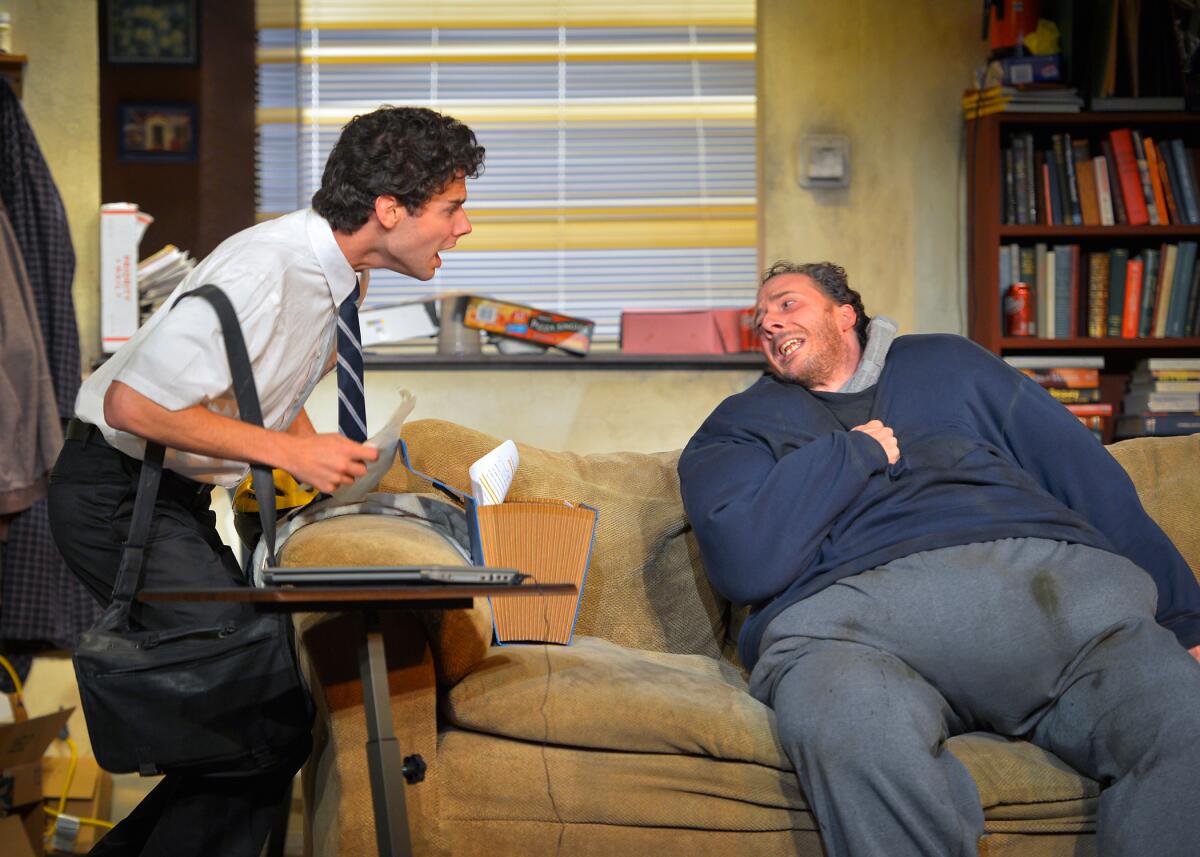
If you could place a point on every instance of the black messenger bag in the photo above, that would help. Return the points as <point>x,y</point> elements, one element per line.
<point>226,698</point>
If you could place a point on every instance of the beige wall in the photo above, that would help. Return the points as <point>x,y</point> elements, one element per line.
<point>61,99</point>
<point>889,77</point>
<point>581,410</point>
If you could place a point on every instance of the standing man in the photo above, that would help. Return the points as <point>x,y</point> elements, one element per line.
<point>391,196</point>
<point>947,550</point>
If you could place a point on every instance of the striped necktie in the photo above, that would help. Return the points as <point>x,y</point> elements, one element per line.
<point>352,407</point>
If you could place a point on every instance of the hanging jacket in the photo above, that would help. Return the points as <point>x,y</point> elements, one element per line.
<point>29,420</point>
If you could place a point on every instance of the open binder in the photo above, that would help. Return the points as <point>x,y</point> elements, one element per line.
<point>549,540</point>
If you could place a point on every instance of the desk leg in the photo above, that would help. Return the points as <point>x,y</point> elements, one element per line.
<point>383,751</point>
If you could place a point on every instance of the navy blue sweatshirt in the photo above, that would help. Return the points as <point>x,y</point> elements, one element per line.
<point>784,500</point>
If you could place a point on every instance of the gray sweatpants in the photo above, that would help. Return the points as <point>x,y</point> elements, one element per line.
<point>1040,640</point>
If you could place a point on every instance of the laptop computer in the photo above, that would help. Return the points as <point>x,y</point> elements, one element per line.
<point>413,575</point>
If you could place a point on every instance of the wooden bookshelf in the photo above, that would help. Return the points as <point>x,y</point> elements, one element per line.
<point>12,67</point>
<point>987,233</point>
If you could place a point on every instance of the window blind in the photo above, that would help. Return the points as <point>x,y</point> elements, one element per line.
<point>620,138</point>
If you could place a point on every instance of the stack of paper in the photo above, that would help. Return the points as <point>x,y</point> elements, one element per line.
<point>1029,98</point>
<point>158,275</point>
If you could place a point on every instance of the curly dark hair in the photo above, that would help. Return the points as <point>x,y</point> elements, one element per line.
<point>410,153</point>
<point>830,279</point>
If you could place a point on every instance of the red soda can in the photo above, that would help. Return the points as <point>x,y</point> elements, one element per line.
<point>1018,310</point>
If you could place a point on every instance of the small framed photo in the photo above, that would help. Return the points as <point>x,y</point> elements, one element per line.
<point>151,31</point>
<point>157,132</point>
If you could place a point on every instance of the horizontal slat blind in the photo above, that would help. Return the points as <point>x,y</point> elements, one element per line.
<point>620,138</point>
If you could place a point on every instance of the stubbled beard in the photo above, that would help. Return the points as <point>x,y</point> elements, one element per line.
<point>823,355</point>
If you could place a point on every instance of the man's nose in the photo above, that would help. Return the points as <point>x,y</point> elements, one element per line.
<point>464,226</point>
<point>769,324</point>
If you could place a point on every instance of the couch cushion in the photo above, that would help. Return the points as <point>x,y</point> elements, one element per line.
<point>646,587</point>
<point>1164,471</point>
<point>605,697</point>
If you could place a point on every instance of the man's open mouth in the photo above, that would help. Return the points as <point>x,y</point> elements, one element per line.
<point>790,346</point>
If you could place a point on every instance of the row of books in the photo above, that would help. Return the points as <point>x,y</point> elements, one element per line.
<point>1021,98</point>
<point>1132,180</point>
<point>1154,293</point>
<point>1163,398</point>
<point>1072,380</point>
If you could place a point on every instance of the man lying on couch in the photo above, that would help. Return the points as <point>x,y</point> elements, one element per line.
<point>933,545</point>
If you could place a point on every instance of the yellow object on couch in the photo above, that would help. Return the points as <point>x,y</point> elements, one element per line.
<point>640,737</point>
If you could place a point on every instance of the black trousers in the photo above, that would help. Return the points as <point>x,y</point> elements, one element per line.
<point>92,491</point>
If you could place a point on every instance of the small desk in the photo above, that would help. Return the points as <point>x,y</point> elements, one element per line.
<point>388,773</point>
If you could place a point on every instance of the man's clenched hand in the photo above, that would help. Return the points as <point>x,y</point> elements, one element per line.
<point>885,437</point>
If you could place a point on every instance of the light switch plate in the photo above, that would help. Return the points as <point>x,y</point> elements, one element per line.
<point>824,161</point>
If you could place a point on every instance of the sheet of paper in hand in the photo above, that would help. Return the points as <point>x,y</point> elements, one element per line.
<point>386,440</point>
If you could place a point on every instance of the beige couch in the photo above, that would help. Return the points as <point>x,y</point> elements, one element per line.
<point>639,738</point>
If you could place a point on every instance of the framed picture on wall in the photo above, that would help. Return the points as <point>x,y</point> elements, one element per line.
<point>151,31</point>
<point>157,132</point>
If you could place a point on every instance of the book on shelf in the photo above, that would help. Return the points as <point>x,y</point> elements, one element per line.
<point>1145,323</point>
<point>1161,366</point>
<point>1132,104</point>
<point>1139,401</point>
<point>1066,377</point>
<point>1156,188</point>
<point>1130,176</point>
<point>1164,385</point>
<point>1097,294</point>
<point>1068,155</point>
<point>1185,282</point>
<point>1118,262</point>
<point>1114,181</point>
<point>1187,180</point>
<point>1055,361</point>
<point>1139,154</point>
<point>1066,271</point>
<point>1162,290</point>
<point>1165,425</point>
<point>1104,200</point>
<point>1169,184</point>
<point>1090,409</point>
<point>1128,327</point>
<point>1143,378</point>
<point>1085,179</point>
<point>1075,395</point>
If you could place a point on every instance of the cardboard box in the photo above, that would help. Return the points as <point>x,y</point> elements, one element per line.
<point>21,833</point>
<point>1031,69</point>
<point>688,331</point>
<point>90,795</point>
<point>12,709</point>
<point>25,741</point>
<point>20,785</point>
<point>516,321</point>
<point>121,227</point>
<point>22,744</point>
<point>398,322</point>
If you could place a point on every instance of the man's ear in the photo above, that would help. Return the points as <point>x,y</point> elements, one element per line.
<point>387,210</point>
<point>847,317</point>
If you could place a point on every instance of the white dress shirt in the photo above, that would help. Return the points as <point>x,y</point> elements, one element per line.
<point>285,278</point>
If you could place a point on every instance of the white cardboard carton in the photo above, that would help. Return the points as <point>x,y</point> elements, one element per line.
<point>122,225</point>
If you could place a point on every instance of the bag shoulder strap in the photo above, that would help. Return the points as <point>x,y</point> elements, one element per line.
<point>129,574</point>
<point>246,393</point>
